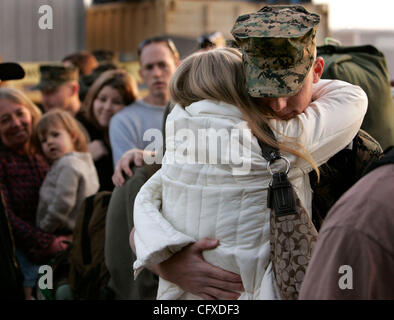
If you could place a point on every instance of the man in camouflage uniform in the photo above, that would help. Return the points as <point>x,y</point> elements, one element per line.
<point>59,88</point>
<point>201,277</point>
<point>278,45</point>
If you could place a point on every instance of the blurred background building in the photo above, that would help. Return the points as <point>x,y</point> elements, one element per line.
<point>119,25</point>
<point>21,38</point>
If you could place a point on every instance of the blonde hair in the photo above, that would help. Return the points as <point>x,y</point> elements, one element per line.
<point>218,75</point>
<point>117,79</point>
<point>64,120</point>
<point>18,97</point>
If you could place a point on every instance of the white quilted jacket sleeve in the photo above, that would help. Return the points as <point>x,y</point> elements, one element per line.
<point>155,238</point>
<point>330,122</point>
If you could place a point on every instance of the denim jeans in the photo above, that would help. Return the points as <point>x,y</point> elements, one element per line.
<point>29,269</point>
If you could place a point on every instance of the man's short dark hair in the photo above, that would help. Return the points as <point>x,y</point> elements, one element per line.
<point>105,56</point>
<point>170,44</point>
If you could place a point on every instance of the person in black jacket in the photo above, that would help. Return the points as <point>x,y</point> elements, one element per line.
<point>11,277</point>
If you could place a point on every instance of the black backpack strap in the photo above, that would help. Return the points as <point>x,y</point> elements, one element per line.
<point>269,153</point>
<point>280,196</point>
<point>388,158</point>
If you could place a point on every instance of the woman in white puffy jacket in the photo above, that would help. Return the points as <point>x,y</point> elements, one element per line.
<point>219,190</point>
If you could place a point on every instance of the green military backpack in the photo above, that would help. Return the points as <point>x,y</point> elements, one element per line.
<point>88,276</point>
<point>366,67</point>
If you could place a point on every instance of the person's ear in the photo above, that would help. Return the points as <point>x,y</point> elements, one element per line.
<point>140,74</point>
<point>74,88</point>
<point>318,67</point>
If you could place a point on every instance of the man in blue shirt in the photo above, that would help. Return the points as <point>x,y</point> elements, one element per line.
<point>158,59</point>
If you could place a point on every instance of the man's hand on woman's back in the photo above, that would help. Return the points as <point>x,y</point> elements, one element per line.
<point>192,273</point>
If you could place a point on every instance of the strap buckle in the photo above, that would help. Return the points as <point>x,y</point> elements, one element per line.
<point>272,161</point>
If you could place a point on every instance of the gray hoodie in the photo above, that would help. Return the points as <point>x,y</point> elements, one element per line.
<point>70,180</point>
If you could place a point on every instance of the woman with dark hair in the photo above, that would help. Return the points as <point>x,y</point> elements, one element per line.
<point>110,93</point>
<point>85,61</point>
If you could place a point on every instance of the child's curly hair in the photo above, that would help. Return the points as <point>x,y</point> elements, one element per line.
<point>60,119</point>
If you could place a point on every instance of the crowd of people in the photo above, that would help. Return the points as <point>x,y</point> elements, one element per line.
<point>183,227</point>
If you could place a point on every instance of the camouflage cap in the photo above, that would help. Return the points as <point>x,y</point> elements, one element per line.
<point>55,75</point>
<point>278,45</point>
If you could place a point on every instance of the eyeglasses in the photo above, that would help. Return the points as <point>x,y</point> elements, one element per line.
<point>167,40</point>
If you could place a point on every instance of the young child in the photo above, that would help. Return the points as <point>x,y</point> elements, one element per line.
<point>186,201</point>
<point>72,176</point>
